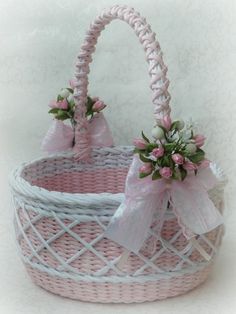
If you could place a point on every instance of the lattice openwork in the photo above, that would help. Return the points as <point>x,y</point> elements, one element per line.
<point>76,245</point>
<point>63,205</point>
<point>61,235</point>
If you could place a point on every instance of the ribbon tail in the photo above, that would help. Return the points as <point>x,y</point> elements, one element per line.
<point>196,212</point>
<point>130,224</point>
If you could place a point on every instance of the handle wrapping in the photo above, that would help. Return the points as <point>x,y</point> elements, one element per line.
<point>157,70</point>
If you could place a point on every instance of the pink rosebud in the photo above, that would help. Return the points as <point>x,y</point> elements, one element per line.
<point>98,106</point>
<point>166,122</point>
<point>199,140</point>
<point>158,152</point>
<point>95,99</point>
<point>140,143</point>
<point>53,104</point>
<point>146,168</point>
<point>178,159</point>
<point>61,104</point>
<point>166,172</point>
<point>73,83</point>
<point>204,164</point>
<point>188,165</point>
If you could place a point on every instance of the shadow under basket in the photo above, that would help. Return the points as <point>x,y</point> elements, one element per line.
<point>62,208</point>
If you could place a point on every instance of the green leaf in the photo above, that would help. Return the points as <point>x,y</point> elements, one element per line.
<point>151,146</point>
<point>70,90</point>
<point>176,174</point>
<point>172,164</point>
<point>89,105</point>
<point>89,113</point>
<point>162,127</point>
<point>143,158</point>
<point>62,115</point>
<point>191,134</point>
<point>59,98</point>
<point>136,150</point>
<point>156,175</point>
<point>71,104</point>
<point>143,175</point>
<point>165,161</point>
<point>145,138</point>
<point>174,125</point>
<point>197,157</point>
<point>183,173</point>
<point>53,110</point>
<point>169,147</point>
<point>199,150</point>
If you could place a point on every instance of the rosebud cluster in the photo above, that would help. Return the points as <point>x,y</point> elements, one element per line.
<point>174,152</point>
<point>64,106</point>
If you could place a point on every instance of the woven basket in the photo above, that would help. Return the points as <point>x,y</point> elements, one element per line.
<point>63,206</point>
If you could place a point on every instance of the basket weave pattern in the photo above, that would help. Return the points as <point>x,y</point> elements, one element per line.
<point>62,243</point>
<point>63,206</point>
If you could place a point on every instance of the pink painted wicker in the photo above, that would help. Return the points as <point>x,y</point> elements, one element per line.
<point>62,207</point>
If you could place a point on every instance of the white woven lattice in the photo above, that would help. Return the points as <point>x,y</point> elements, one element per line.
<point>65,269</point>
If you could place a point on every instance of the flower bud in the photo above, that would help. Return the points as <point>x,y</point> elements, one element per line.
<point>166,172</point>
<point>146,168</point>
<point>53,104</point>
<point>180,125</point>
<point>157,133</point>
<point>140,143</point>
<point>199,140</point>
<point>191,148</point>
<point>205,163</point>
<point>70,98</point>
<point>95,99</point>
<point>98,106</point>
<point>158,152</point>
<point>188,165</point>
<point>62,104</point>
<point>64,93</point>
<point>166,122</point>
<point>178,159</point>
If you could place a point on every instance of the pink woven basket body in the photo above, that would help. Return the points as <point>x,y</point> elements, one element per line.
<point>62,208</point>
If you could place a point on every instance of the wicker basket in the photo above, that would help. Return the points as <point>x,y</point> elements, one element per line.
<point>63,206</point>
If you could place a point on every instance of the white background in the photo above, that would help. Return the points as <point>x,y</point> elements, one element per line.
<point>39,41</point>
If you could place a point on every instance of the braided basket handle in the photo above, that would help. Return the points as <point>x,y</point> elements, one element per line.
<point>157,70</point>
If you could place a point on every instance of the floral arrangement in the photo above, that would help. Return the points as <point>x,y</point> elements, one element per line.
<point>61,137</point>
<point>174,152</point>
<point>63,107</point>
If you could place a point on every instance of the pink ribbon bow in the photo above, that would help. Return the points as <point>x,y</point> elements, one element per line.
<point>143,197</point>
<point>60,136</point>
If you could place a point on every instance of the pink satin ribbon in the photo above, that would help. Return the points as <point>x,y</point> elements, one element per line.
<point>60,136</point>
<point>143,197</point>
<point>100,134</point>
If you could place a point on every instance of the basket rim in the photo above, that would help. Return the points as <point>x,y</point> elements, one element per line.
<point>22,187</point>
<point>26,190</point>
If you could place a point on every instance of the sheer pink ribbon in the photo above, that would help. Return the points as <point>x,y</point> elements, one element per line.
<point>60,136</point>
<point>143,197</point>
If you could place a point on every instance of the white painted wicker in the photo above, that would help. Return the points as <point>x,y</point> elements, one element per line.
<point>62,207</point>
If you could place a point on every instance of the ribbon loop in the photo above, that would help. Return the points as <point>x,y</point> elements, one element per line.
<point>60,136</point>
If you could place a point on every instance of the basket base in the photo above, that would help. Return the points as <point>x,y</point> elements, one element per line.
<point>118,292</point>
